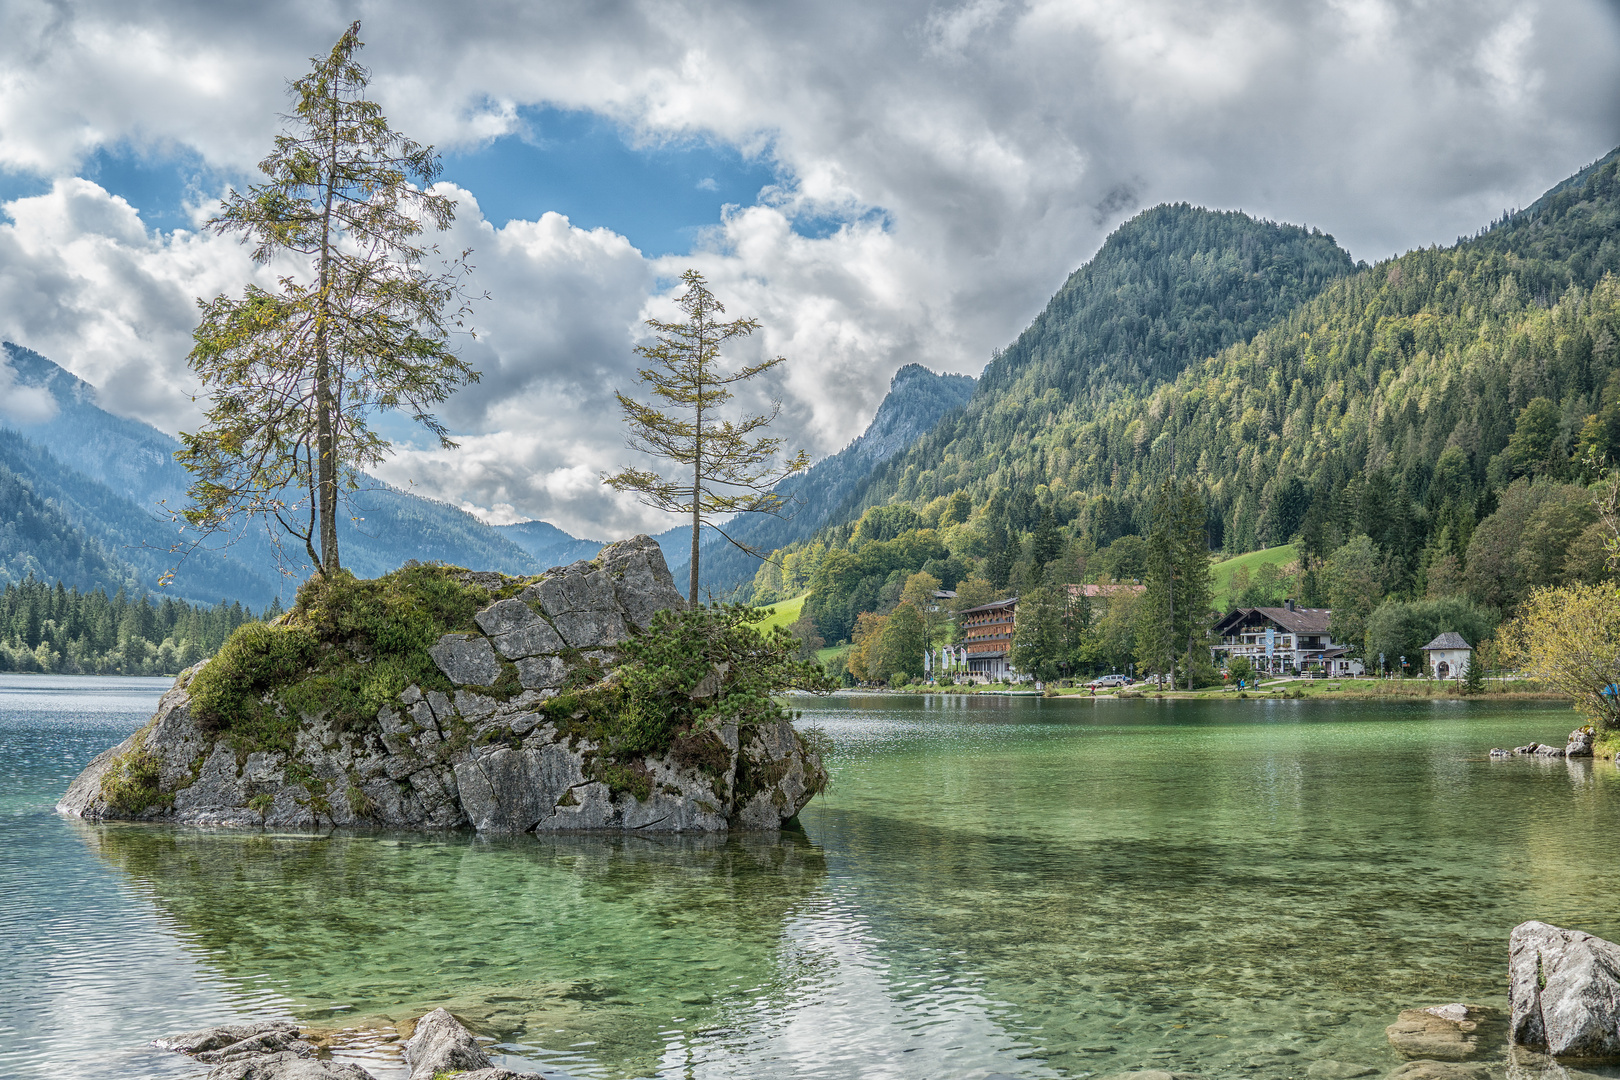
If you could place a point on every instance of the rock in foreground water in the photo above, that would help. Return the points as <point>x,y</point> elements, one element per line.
<point>440,1044</point>
<point>287,1066</point>
<point>1454,1032</point>
<point>217,1038</point>
<point>1564,993</point>
<point>1442,1070</point>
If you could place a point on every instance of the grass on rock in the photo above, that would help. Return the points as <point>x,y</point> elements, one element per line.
<point>348,647</point>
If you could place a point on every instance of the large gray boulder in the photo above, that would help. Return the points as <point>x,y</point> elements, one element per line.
<point>1579,743</point>
<point>1564,993</point>
<point>440,1044</point>
<point>486,755</point>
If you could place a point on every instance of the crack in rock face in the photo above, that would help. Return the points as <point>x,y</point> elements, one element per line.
<point>1564,993</point>
<point>485,757</point>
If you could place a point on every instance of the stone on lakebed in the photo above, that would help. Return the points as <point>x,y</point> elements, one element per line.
<point>1454,1032</point>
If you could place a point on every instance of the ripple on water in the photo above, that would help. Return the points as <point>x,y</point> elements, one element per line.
<point>992,888</point>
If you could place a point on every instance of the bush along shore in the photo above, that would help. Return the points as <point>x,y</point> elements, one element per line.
<point>587,697</point>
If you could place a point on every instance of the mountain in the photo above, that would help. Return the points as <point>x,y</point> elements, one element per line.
<point>105,478</point>
<point>547,544</point>
<point>1440,409</point>
<point>1173,285</point>
<point>90,536</point>
<point>916,402</point>
<point>39,540</point>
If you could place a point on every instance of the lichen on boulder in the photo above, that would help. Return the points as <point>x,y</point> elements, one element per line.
<point>586,697</point>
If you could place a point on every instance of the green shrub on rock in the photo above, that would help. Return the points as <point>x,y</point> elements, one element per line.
<point>132,783</point>
<point>690,671</point>
<point>348,647</point>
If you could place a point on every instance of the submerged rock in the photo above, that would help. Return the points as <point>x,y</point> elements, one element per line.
<point>288,1066</point>
<point>1454,1032</point>
<point>1564,993</point>
<point>217,1038</point>
<point>1337,1070</point>
<point>1442,1070</point>
<point>270,1050</point>
<point>483,750</point>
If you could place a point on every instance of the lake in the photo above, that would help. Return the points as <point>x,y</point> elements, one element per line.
<point>993,887</point>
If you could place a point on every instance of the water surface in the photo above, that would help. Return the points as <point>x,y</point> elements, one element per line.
<point>993,887</point>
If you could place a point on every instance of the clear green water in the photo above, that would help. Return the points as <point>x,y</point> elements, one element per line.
<point>993,887</point>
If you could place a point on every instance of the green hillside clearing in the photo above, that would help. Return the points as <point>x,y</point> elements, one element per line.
<point>783,613</point>
<point>1253,560</point>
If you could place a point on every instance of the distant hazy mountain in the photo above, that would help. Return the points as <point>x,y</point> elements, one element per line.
<point>917,400</point>
<point>89,485</point>
<point>66,527</point>
<point>547,544</point>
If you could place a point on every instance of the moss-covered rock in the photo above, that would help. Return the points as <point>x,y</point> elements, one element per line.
<point>436,697</point>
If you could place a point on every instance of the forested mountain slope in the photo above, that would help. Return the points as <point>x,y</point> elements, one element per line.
<point>916,401</point>
<point>1168,288</point>
<point>37,539</point>
<point>64,526</point>
<point>547,544</point>
<point>1439,410</point>
<point>1398,403</point>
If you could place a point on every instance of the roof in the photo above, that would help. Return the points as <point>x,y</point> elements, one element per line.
<point>1301,620</point>
<point>992,606</point>
<point>1448,640</point>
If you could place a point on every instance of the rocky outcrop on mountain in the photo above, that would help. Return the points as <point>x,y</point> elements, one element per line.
<point>1564,993</point>
<point>497,742</point>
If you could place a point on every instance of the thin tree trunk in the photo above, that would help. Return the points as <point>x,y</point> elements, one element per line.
<point>697,470</point>
<point>697,487</point>
<point>325,436</point>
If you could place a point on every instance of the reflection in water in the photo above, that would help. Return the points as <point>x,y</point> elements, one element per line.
<point>545,944</point>
<point>1211,894</point>
<point>993,887</point>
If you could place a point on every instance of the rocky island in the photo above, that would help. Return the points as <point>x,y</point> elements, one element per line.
<point>585,698</point>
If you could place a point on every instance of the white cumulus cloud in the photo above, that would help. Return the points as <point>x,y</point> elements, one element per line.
<point>943,166</point>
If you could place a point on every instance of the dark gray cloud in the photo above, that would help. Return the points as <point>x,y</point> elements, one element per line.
<point>980,150</point>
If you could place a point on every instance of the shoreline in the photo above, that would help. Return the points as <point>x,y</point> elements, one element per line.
<point>1282,689</point>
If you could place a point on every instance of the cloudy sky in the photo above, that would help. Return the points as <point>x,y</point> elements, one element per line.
<point>878,183</point>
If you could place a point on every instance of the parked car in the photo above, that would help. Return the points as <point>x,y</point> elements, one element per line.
<point>1109,682</point>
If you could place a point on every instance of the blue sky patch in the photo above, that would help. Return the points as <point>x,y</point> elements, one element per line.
<point>157,186</point>
<point>580,165</point>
